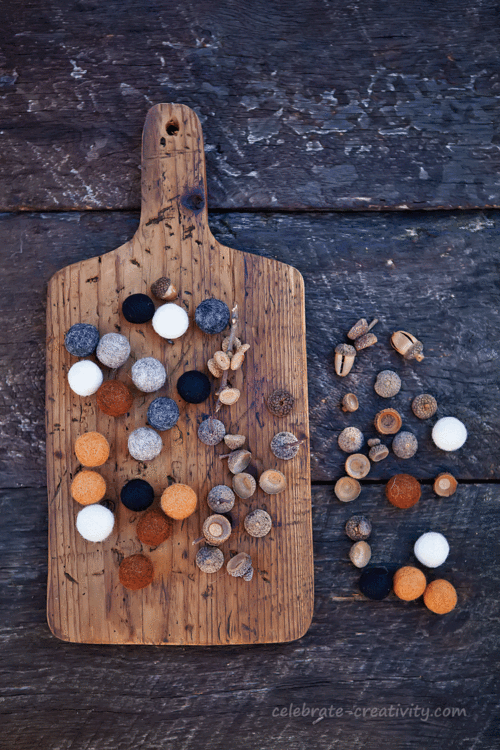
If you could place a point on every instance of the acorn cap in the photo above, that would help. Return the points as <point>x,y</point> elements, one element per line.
<point>209,559</point>
<point>365,341</point>
<point>387,384</point>
<point>378,452</point>
<point>229,396</point>
<point>347,489</point>
<point>351,440</point>
<point>216,529</point>
<point>424,406</point>
<point>357,466</point>
<point>445,485</point>
<point>405,445</point>
<point>358,329</point>
<point>244,485</point>
<point>258,523</point>
<point>388,422</point>
<point>234,442</point>
<point>164,289</point>
<point>272,481</point>
<point>350,402</point>
<point>240,566</point>
<point>221,498</point>
<point>238,461</point>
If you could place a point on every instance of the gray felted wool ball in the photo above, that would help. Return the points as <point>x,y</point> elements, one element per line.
<point>163,413</point>
<point>81,339</point>
<point>113,350</point>
<point>144,444</point>
<point>148,374</point>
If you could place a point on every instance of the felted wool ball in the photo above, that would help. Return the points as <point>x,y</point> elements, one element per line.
<point>144,444</point>
<point>114,398</point>
<point>84,377</point>
<point>194,387</point>
<point>92,449</point>
<point>431,549</point>
<point>409,583</point>
<point>375,583</point>
<point>440,597</point>
<point>170,321</point>
<point>136,572</point>
<point>81,339</point>
<point>154,527</point>
<point>88,487</point>
<point>137,495</point>
<point>113,350</point>
<point>449,433</point>
<point>138,308</point>
<point>95,523</point>
<point>179,501</point>
<point>163,413</point>
<point>148,374</point>
<point>212,315</point>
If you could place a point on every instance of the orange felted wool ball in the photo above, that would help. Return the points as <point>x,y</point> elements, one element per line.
<point>409,583</point>
<point>403,491</point>
<point>440,597</point>
<point>179,501</point>
<point>92,449</point>
<point>114,398</point>
<point>88,487</point>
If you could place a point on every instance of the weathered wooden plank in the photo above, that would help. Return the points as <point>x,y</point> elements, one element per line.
<point>433,274</point>
<point>306,105</point>
<point>357,656</point>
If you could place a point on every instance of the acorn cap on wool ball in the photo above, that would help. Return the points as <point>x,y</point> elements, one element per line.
<point>170,321</point>
<point>113,350</point>
<point>136,572</point>
<point>388,384</point>
<point>194,387</point>
<point>179,501</point>
<point>144,444</point>
<point>221,499</point>
<point>153,527</point>
<point>212,315</point>
<point>84,377</point>
<point>440,597</point>
<point>148,374</point>
<point>209,559</point>
<point>351,440</point>
<point>449,434</point>
<point>92,449</point>
<point>114,398</point>
<point>431,549</point>
<point>424,406</point>
<point>81,339</point>
<point>403,491</point>
<point>137,495</point>
<point>405,445</point>
<point>358,528</point>
<point>211,431</point>
<point>409,583</point>
<point>95,523</point>
<point>138,308</point>
<point>163,413</point>
<point>258,523</point>
<point>375,583</point>
<point>88,487</point>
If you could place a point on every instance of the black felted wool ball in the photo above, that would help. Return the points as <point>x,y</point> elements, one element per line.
<point>194,387</point>
<point>138,308</point>
<point>137,495</point>
<point>212,315</point>
<point>81,339</point>
<point>375,583</point>
<point>163,413</point>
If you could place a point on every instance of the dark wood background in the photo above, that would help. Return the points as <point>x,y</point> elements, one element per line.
<point>309,110</point>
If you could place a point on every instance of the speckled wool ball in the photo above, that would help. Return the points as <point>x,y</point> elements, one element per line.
<point>81,339</point>
<point>212,315</point>
<point>163,413</point>
<point>449,433</point>
<point>170,321</point>
<point>138,308</point>
<point>148,374</point>
<point>113,350</point>
<point>431,549</point>
<point>84,377</point>
<point>144,444</point>
<point>95,523</point>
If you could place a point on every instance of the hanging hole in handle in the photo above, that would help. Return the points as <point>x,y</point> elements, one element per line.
<point>172,127</point>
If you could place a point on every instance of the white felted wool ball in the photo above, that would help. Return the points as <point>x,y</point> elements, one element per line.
<point>449,433</point>
<point>84,377</point>
<point>431,549</point>
<point>170,321</point>
<point>95,523</point>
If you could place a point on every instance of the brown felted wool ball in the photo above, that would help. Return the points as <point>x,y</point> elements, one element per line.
<point>409,583</point>
<point>403,491</point>
<point>179,501</point>
<point>92,449</point>
<point>440,597</point>
<point>88,487</point>
<point>153,527</point>
<point>114,398</point>
<point>136,572</point>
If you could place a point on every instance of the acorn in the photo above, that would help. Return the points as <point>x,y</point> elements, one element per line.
<point>408,345</point>
<point>358,528</point>
<point>214,368</point>
<point>216,529</point>
<point>378,452</point>
<point>351,440</point>
<point>365,341</point>
<point>234,442</point>
<point>347,489</point>
<point>229,396</point>
<point>272,481</point>
<point>225,344</point>
<point>405,445</point>
<point>388,422</point>
<point>345,354</point>
<point>350,402</point>
<point>360,328</point>
<point>164,289</point>
<point>221,499</point>
<point>258,523</point>
<point>357,466</point>
<point>209,559</point>
<point>240,566</point>
<point>388,384</point>
<point>373,441</point>
<point>237,461</point>
<point>445,485</point>
<point>285,445</point>
<point>244,485</point>
<point>222,360</point>
<point>360,554</point>
<point>424,406</point>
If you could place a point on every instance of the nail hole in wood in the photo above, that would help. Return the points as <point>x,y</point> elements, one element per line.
<point>163,142</point>
<point>172,127</point>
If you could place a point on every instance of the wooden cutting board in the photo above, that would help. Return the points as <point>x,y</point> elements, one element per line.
<point>86,602</point>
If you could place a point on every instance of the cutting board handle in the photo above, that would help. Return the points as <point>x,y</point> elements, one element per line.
<point>173,179</point>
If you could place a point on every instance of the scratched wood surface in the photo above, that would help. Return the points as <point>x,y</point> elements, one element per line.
<point>183,605</point>
<point>309,104</point>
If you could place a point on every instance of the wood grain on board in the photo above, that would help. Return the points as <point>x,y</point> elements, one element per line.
<point>183,605</point>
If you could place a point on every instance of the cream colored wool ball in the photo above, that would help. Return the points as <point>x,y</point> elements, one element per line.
<point>84,377</point>
<point>449,433</point>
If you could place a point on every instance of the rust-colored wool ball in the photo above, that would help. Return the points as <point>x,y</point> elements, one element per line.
<point>88,487</point>
<point>403,491</point>
<point>153,527</point>
<point>409,583</point>
<point>114,398</point>
<point>136,572</point>
<point>179,501</point>
<point>440,597</point>
<point>92,449</point>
